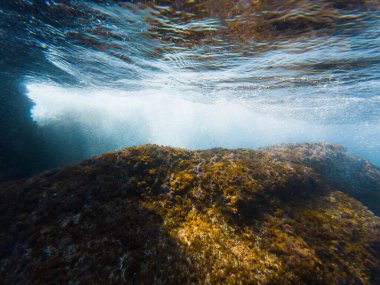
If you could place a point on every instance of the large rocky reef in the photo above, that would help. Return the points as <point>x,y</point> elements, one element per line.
<point>158,215</point>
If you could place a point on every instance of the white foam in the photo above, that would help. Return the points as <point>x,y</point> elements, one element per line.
<point>111,119</point>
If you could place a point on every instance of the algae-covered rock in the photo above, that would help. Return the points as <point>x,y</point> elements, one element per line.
<point>160,215</point>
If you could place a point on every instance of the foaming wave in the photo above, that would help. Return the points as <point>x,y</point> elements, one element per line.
<point>101,120</point>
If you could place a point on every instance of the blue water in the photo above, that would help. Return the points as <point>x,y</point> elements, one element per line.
<point>109,74</point>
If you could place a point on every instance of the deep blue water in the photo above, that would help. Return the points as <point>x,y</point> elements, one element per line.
<point>196,74</point>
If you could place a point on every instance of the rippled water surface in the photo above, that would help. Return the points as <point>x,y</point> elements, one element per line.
<point>198,73</point>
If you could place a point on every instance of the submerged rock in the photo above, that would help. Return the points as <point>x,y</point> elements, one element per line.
<point>160,215</point>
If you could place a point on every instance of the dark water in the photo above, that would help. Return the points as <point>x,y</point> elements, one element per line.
<point>195,74</point>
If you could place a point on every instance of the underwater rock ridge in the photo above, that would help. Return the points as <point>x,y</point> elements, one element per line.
<point>356,176</point>
<point>147,214</point>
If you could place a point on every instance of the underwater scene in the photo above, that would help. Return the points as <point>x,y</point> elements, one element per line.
<point>189,142</point>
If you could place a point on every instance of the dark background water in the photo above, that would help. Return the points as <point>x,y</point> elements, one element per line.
<point>82,77</point>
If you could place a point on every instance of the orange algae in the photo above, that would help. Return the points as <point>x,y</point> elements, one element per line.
<point>160,215</point>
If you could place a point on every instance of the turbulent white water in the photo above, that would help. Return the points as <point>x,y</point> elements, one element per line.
<point>111,118</point>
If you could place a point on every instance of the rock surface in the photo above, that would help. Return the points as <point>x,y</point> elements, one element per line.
<point>157,215</point>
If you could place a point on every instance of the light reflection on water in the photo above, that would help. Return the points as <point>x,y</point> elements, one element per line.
<point>285,73</point>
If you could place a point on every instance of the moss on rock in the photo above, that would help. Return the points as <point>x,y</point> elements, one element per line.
<point>160,215</point>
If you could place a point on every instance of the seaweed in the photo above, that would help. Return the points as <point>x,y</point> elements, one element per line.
<point>159,215</point>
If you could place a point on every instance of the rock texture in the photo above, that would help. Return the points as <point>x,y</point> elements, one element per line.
<point>159,215</point>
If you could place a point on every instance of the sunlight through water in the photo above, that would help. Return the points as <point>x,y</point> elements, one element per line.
<point>104,75</point>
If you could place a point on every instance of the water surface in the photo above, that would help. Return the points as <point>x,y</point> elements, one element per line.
<point>196,74</point>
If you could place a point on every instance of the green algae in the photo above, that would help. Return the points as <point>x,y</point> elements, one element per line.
<point>160,215</point>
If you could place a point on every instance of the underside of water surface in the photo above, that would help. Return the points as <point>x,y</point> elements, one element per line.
<point>79,78</point>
